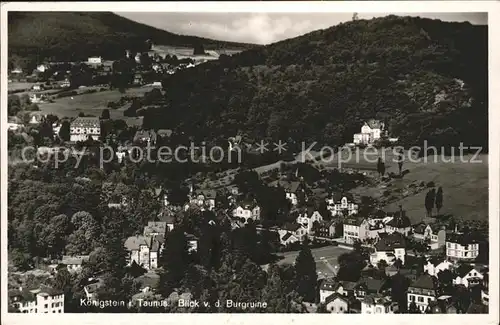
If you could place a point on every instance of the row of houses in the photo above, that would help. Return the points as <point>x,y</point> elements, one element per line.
<point>41,300</point>
<point>371,295</point>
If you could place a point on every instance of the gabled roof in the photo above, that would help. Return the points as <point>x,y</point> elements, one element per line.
<point>21,295</point>
<point>94,285</point>
<point>462,239</point>
<point>335,296</point>
<point>425,282</point>
<point>74,260</point>
<point>354,222</point>
<point>208,194</point>
<point>377,300</point>
<point>49,291</point>
<point>155,227</point>
<point>82,122</point>
<point>135,242</point>
<point>329,284</point>
<point>288,186</point>
<point>374,124</point>
<point>463,269</point>
<point>145,134</point>
<point>419,228</point>
<point>399,222</point>
<point>286,236</point>
<point>372,285</point>
<point>390,242</point>
<point>291,226</point>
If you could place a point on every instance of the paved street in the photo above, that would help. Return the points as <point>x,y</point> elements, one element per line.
<point>325,257</point>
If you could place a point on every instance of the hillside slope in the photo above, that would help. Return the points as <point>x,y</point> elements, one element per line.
<point>65,35</point>
<point>427,79</point>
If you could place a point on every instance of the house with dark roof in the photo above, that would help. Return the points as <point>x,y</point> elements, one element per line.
<point>291,232</point>
<point>145,250</point>
<point>369,286</point>
<point>325,229</point>
<point>442,306</point>
<point>460,246</point>
<point>326,289</point>
<point>308,217</point>
<point>293,190</point>
<point>202,198</point>
<point>435,265</point>
<point>339,206</point>
<point>42,300</point>
<point>423,291</point>
<point>248,210</point>
<point>155,228</point>
<point>434,234</point>
<point>74,263</point>
<point>337,304</point>
<point>355,229</point>
<point>83,128</point>
<point>371,131</point>
<point>389,248</point>
<point>145,136</point>
<point>92,286</point>
<point>378,304</point>
<point>399,223</point>
<point>468,275</point>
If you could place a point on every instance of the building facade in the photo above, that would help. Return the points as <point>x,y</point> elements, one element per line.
<point>43,300</point>
<point>461,247</point>
<point>83,128</point>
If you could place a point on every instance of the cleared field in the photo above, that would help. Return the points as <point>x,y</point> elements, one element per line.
<point>19,85</point>
<point>465,185</point>
<point>93,103</point>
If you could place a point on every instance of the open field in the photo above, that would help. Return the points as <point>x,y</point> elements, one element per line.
<point>93,103</point>
<point>322,254</point>
<point>19,85</point>
<point>465,185</point>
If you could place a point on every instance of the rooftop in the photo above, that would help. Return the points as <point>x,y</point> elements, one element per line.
<point>425,282</point>
<point>74,260</point>
<point>83,122</point>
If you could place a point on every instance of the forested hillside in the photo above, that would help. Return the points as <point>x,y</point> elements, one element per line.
<point>427,79</point>
<point>77,35</point>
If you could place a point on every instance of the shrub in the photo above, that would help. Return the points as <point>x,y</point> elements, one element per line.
<point>431,184</point>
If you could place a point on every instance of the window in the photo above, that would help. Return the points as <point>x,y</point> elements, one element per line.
<point>59,311</point>
<point>341,308</point>
<point>429,300</point>
<point>54,311</point>
<point>45,298</point>
<point>420,299</point>
<point>412,298</point>
<point>46,306</point>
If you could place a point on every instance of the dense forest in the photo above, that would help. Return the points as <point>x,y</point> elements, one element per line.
<point>35,36</point>
<point>427,79</point>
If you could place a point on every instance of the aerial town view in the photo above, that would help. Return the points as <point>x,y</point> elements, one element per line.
<point>327,163</point>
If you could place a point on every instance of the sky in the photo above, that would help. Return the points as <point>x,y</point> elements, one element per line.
<point>266,28</point>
